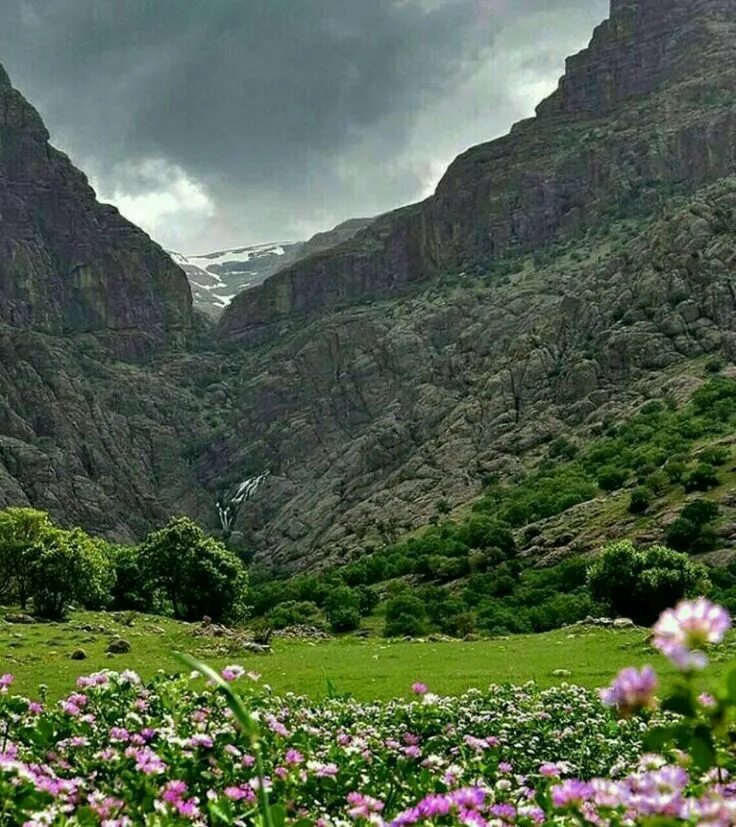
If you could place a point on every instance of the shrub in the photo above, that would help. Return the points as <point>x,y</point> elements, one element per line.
<point>405,615</point>
<point>714,456</point>
<point>195,573</point>
<point>342,609</point>
<point>611,478</point>
<point>640,500</point>
<point>682,534</point>
<point>700,512</point>
<point>641,583</point>
<point>702,478</point>
<point>293,613</point>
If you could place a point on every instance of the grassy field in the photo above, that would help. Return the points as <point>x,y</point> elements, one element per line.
<point>369,668</point>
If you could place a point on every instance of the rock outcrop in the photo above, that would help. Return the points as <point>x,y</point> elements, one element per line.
<point>646,110</point>
<point>68,264</point>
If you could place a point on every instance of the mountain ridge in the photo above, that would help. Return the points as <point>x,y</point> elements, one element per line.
<point>548,175</point>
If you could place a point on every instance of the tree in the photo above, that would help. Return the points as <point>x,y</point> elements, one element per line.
<point>21,529</point>
<point>195,573</point>
<point>405,615</point>
<point>69,566</point>
<point>640,584</point>
<point>342,608</point>
<point>131,591</point>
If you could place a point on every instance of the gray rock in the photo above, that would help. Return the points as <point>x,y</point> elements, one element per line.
<point>623,623</point>
<point>19,617</point>
<point>78,654</point>
<point>119,646</point>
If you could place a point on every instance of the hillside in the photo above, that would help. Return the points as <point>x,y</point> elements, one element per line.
<point>559,278</point>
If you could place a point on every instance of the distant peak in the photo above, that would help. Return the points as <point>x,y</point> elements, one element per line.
<point>4,79</point>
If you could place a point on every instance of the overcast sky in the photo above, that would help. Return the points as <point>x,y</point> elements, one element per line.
<point>215,123</point>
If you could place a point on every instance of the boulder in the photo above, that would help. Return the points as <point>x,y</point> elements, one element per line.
<point>78,654</point>
<point>118,646</point>
<point>19,617</point>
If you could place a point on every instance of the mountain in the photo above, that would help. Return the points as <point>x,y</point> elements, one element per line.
<point>69,265</point>
<point>216,278</point>
<point>646,110</point>
<point>559,278</point>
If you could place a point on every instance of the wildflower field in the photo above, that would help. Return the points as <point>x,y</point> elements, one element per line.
<point>221,748</point>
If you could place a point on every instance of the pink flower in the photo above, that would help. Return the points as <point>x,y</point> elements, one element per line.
<point>419,689</point>
<point>631,690</point>
<point>5,681</point>
<point>682,633</point>
<point>232,673</point>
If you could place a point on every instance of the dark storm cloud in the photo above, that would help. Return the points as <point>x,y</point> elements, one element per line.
<point>289,114</point>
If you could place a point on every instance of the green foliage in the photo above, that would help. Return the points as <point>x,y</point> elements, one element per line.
<point>69,566</point>
<point>293,613</point>
<point>405,616</point>
<point>611,478</point>
<point>131,591</point>
<point>196,574</point>
<point>342,609</point>
<point>21,530</point>
<point>640,584</point>
<point>701,478</point>
<point>640,500</point>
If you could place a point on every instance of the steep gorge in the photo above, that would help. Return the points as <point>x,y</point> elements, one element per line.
<point>558,276</point>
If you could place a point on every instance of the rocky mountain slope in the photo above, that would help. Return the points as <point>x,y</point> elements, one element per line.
<point>559,276</point>
<point>645,110</point>
<point>68,264</point>
<point>216,278</point>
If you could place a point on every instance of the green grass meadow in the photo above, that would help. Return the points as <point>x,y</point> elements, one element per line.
<point>370,668</point>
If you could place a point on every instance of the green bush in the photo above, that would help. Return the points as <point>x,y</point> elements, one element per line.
<point>405,616</point>
<point>702,478</point>
<point>640,584</point>
<point>700,512</point>
<point>682,534</point>
<point>611,478</point>
<point>342,609</point>
<point>293,613</point>
<point>640,500</point>
<point>713,455</point>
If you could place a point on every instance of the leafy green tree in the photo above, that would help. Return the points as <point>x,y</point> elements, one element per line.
<point>196,573</point>
<point>21,529</point>
<point>131,590</point>
<point>640,584</point>
<point>405,616</point>
<point>342,609</point>
<point>69,566</point>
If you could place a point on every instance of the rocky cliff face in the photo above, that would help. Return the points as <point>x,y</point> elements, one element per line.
<point>558,277</point>
<point>68,264</point>
<point>648,108</point>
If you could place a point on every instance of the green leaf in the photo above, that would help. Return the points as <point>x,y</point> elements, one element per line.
<point>278,815</point>
<point>681,703</point>
<point>657,739</point>
<point>731,686</point>
<point>702,750</point>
